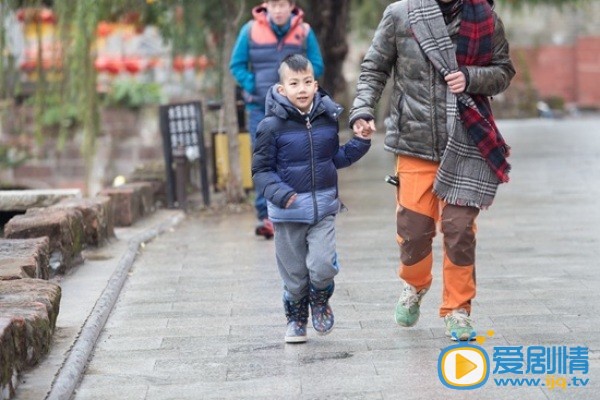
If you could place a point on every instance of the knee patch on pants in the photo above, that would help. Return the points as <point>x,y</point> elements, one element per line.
<point>415,233</point>
<point>458,227</point>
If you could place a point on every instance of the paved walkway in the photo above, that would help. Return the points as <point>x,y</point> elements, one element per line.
<point>200,316</point>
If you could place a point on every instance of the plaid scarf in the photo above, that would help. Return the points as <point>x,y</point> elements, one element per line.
<point>474,162</point>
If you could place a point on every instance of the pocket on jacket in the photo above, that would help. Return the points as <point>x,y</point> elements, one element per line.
<point>400,108</point>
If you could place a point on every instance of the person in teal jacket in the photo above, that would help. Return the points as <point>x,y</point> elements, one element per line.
<point>276,31</point>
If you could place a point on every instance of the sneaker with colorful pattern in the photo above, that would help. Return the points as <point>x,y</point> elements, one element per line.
<point>459,326</point>
<point>409,305</point>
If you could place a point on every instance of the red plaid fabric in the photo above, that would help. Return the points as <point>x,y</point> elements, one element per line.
<point>474,47</point>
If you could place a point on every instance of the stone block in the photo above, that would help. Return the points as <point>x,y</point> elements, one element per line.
<point>29,290</point>
<point>126,204</point>
<point>63,227</point>
<point>22,200</point>
<point>98,218</point>
<point>146,191</point>
<point>8,359</point>
<point>28,312</point>
<point>24,258</point>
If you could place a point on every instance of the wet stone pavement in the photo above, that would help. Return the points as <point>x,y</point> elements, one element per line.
<point>200,316</point>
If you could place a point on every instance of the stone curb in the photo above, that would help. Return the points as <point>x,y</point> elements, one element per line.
<point>71,372</point>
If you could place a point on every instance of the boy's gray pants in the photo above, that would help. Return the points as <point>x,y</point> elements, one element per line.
<point>305,253</point>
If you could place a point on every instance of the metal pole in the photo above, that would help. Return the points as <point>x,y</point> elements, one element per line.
<point>181,176</point>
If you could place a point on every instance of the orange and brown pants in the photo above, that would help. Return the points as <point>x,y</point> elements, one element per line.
<point>418,212</point>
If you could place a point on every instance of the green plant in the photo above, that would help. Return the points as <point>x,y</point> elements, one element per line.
<point>131,94</point>
<point>56,113</point>
<point>13,154</point>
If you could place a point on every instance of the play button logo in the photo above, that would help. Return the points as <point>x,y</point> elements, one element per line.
<point>463,366</point>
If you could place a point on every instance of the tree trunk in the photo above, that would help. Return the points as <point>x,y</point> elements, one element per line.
<point>234,190</point>
<point>330,21</point>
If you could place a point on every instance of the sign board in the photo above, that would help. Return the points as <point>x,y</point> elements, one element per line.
<point>182,130</point>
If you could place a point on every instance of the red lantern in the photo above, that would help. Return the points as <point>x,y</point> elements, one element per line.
<point>104,29</point>
<point>100,64</point>
<point>47,16</point>
<point>203,62</point>
<point>134,65</point>
<point>178,64</point>
<point>114,66</point>
<point>28,65</point>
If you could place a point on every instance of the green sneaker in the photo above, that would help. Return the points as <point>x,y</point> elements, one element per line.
<point>459,326</point>
<point>407,309</point>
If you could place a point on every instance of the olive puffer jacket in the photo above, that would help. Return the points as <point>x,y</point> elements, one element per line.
<point>417,122</point>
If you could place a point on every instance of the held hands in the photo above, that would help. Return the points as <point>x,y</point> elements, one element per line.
<point>364,129</point>
<point>457,82</point>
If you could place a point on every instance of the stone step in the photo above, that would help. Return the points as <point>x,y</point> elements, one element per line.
<point>130,201</point>
<point>63,227</point>
<point>28,312</point>
<point>98,217</point>
<point>22,200</point>
<point>24,258</point>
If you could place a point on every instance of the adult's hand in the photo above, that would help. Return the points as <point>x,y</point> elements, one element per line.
<point>457,82</point>
<point>363,127</point>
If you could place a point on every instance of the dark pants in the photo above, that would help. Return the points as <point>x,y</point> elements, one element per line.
<point>260,203</point>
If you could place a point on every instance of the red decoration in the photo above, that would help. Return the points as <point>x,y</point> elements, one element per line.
<point>134,65</point>
<point>28,65</point>
<point>178,64</point>
<point>114,66</point>
<point>104,29</point>
<point>100,64</point>
<point>43,15</point>
<point>203,62</point>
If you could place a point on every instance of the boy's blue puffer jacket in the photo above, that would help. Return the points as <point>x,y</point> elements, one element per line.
<point>297,153</point>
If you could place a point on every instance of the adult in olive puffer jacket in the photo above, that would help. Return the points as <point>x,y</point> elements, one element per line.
<point>446,58</point>
<point>417,122</point>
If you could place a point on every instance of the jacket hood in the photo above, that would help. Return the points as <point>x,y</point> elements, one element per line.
<point>279,106</point>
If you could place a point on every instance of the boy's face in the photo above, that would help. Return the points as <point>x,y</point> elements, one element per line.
<point>280,11</point>
<point>299,87</point>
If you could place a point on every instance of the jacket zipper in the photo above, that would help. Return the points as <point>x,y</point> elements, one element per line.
<point>312,167</point>
<point>434,131</point>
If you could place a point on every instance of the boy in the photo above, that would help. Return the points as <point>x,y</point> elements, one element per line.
<point>276,30</point>
<point>295,166</point>
<point>447,57</point>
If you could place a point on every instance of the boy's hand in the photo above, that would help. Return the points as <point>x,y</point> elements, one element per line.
<point>457,82</point>
<point>291,200</point>
<point>364,129</point>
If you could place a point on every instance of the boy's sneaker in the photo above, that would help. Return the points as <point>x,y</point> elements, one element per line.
<point>459,326</point>
<point>265,228</point>
<point>409,304</point>
<point>296,313</point>
<point>322,314</point>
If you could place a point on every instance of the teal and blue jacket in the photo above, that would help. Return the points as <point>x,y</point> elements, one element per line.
<point>260,47</point>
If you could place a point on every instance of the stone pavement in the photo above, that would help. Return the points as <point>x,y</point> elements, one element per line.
<point>200,316</point>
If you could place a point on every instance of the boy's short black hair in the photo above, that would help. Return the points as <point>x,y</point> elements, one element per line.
<point>296,63</point>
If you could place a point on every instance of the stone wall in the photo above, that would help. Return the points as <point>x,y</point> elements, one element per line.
<point>129,139</point>
<point>36,247</point>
